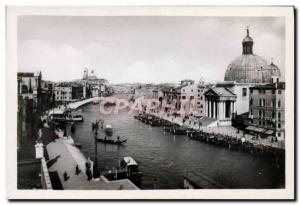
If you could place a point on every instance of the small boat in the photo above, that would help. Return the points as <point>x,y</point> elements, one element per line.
<point>127,169</point>
<point>132,168</point>
<point>111,141</point>
<point>108,130</point>
<point>74,118</point>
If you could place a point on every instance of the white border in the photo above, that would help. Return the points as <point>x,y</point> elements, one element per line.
<point>11,102</point>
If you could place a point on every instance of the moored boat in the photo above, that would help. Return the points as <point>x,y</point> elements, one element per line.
<point>127,169</point>
<point>132,168</point>
<point>106,140</point>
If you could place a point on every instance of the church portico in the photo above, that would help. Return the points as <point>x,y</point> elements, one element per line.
<point>220,104</point>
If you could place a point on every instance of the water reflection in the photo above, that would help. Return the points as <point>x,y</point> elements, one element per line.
<point>164,158</point>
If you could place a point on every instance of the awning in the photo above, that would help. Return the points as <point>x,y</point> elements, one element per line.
<point>251,128</point>
<point>259,129</point>
<point>269,132</point>
<point>256,129</point>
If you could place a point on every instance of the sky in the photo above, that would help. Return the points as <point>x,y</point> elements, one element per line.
<point>143,49</point>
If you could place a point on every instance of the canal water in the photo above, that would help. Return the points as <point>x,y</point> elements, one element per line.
<point>164,158</point>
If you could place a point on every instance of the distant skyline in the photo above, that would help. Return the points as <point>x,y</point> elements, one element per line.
<point>143,49</point>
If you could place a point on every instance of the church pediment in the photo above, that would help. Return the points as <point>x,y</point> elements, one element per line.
<point>211,92</point>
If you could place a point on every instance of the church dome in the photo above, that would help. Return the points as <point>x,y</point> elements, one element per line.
<point>250,68</point>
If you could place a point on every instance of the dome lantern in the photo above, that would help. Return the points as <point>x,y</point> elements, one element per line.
<point>247,43</point>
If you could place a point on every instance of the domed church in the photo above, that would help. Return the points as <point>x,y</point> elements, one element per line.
<point>250,68</point>
<point>228,99</point>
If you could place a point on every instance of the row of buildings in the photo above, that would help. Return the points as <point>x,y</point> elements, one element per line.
<point>87,87</point>
<point>251,97</point>
<point>36,95</point>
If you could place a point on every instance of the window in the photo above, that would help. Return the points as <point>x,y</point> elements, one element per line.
<point>251,112</point>
<point>198,103</point>
<point>279,125</point>
<point>251,101</point>
<point>244,91</point>
<point>201,98</point>
<point>192,90</point>
<point>279,115</point>
<point>201,106</point>
<point>273,114</point>
<point>259,113</point>
<point>183,97</point>
<point>198,91</point>
<point>260,102</point>
<point>279,103</point>
<point>191,97</point>
<point>264,102</point>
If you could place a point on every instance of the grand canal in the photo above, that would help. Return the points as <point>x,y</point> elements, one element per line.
<point>164,158</point>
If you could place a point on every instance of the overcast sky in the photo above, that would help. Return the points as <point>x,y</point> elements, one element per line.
<point>143,49</point>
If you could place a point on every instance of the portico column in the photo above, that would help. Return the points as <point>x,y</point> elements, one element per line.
<point>224,110</point>
<point>231,110</point>
<point>212,109</point>
<point>234,107</point>
<point>206,108</point>
<point>215,109</point>
<point>219,110</point>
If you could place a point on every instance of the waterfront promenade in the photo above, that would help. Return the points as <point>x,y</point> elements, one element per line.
<point>193,123</point>
<point>64,157</point>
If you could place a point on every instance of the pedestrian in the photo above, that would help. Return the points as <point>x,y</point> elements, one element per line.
<point>66,177</point>
<point>77,170</point>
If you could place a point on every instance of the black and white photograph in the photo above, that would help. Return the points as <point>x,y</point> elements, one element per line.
<point>192,102</point>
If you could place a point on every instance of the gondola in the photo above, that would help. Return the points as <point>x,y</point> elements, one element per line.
<point>111,141</point>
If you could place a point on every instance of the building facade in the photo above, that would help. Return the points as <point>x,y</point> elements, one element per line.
<point>68,92</point>
<point>266,114</point>
<point>194,94</point>
<point>220,105</point>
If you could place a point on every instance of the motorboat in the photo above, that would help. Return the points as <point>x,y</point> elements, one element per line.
<point>132,168</point>
<point>127,169</point>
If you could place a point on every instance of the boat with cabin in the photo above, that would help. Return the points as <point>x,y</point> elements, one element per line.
<point>127,169</point>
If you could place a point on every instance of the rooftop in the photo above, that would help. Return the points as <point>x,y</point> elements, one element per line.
<point>65,157</point>
<point>220,91</point>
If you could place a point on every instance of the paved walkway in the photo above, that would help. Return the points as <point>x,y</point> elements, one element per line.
<point>65,157</point>
<point>193,123</point>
